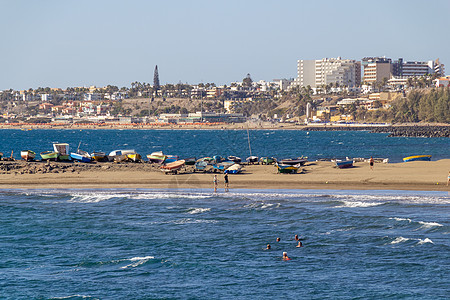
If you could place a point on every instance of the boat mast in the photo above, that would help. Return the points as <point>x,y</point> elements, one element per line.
<point>248,138</point>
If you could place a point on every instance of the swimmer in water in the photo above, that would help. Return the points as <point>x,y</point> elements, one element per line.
<point>285,257</point>
<point>268,247</point>
<point>299,244</point>
<point>296,237</point>
<point>278,239</point>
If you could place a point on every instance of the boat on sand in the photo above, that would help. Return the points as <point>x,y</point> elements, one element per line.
<point>417,157</point>
<point>173,167</point>
<point>49,155</point>
<point>27,155</point>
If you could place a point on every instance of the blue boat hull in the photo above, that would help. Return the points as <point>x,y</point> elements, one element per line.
<point>79,157</point>
<point>344,164</point>
<point>417,158</point>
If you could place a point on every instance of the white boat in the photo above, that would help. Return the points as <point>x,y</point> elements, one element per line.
<point>63,150</point>
<point>234,169</point>
<point>120,155</point>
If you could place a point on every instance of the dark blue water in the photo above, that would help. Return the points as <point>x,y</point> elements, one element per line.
<point>193,244</point>
<point>198,143</point>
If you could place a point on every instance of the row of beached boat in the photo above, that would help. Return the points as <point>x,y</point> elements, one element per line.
<point>171,164</point>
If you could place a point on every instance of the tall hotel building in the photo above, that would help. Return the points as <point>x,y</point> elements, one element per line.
<point>376,68</point>
<point>344,72</point>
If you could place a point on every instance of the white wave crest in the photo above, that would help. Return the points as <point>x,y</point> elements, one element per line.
<point>191,221</point>
<point>137,261</point>
<point>401,219</point>
<point>262,205</point>
<point>91,197</point>
<point>426,225</point>
<point>358,204</point>
<point>74,296</point>
<point>199,210</point>
<point>424,241</point>
<point>399,239</point>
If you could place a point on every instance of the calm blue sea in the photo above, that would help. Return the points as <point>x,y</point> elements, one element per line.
<point>194,244</point>
<point>198,143</point>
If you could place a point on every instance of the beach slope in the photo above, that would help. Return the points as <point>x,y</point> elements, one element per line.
<point>420,175</point>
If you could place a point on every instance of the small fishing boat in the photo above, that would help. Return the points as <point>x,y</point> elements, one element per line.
<point>190,161</point>
<point>234,158</point>
<point>252,159</point>
<point>234,169</point>
<point>417,157</point>
<point>287,169</point>
<point>27,155</point>
<point>208,160</point>
<point>267,160</point>
<point>172,167</point>
<point>222,166</point>
<point>99,156</point>
<point>294,161</point>
<point>156,157</point>
<point>343,164</point>
<point>134,157</point>
<point>170,159</point>
<point>63,150</point>
<point>49,155</point>
<point>81,155</point>
<point>200,166</point>
<point>119,155</point>
<point>218,158</point>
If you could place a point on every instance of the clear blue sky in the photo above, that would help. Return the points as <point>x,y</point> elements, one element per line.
<point>61,43</point>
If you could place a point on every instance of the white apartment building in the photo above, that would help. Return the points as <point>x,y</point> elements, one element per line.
<point>344,72</point>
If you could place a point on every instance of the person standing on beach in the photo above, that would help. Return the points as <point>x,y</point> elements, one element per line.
<point>225,178</point>
<point>371,161</point>
<point>448,178</point>
<point>215,183</point>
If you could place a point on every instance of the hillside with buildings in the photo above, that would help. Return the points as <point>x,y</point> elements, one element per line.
<point>375,89</point>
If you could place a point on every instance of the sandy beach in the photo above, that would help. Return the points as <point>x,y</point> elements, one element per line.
<point>420,175</point>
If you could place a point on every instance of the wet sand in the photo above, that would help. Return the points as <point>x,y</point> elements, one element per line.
<point>426,176</point>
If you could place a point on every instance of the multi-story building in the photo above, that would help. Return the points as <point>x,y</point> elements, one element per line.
<point>343,72</point>
<point>417,68</point>
<point>376,68</point>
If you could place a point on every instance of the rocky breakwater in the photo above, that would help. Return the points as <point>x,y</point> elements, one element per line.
<point>414,131</point>
<point>394,130</point>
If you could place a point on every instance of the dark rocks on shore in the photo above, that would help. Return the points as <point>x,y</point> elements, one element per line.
<point>40,167</point>
<point>398,131</point>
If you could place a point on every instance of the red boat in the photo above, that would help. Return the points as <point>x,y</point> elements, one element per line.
<point>172,167</point>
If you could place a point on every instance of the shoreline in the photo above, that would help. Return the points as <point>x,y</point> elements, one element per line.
<point>412,176</point>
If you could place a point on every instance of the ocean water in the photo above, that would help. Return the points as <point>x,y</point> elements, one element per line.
<point>199,143</point>
<point>194,244</point>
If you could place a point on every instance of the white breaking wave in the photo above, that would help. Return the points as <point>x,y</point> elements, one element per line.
<point>358,204</point>
<point>74,296</point>
<point>199,210</point>
<point>426,240</point>
<point>137,261</point>
<point>425,225</point>
<point>401,239</point>
<point>91,197</point>
<point>190,221</point>
<point>429,224</point>
<point>262,205</point>
<point>401,219</point>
